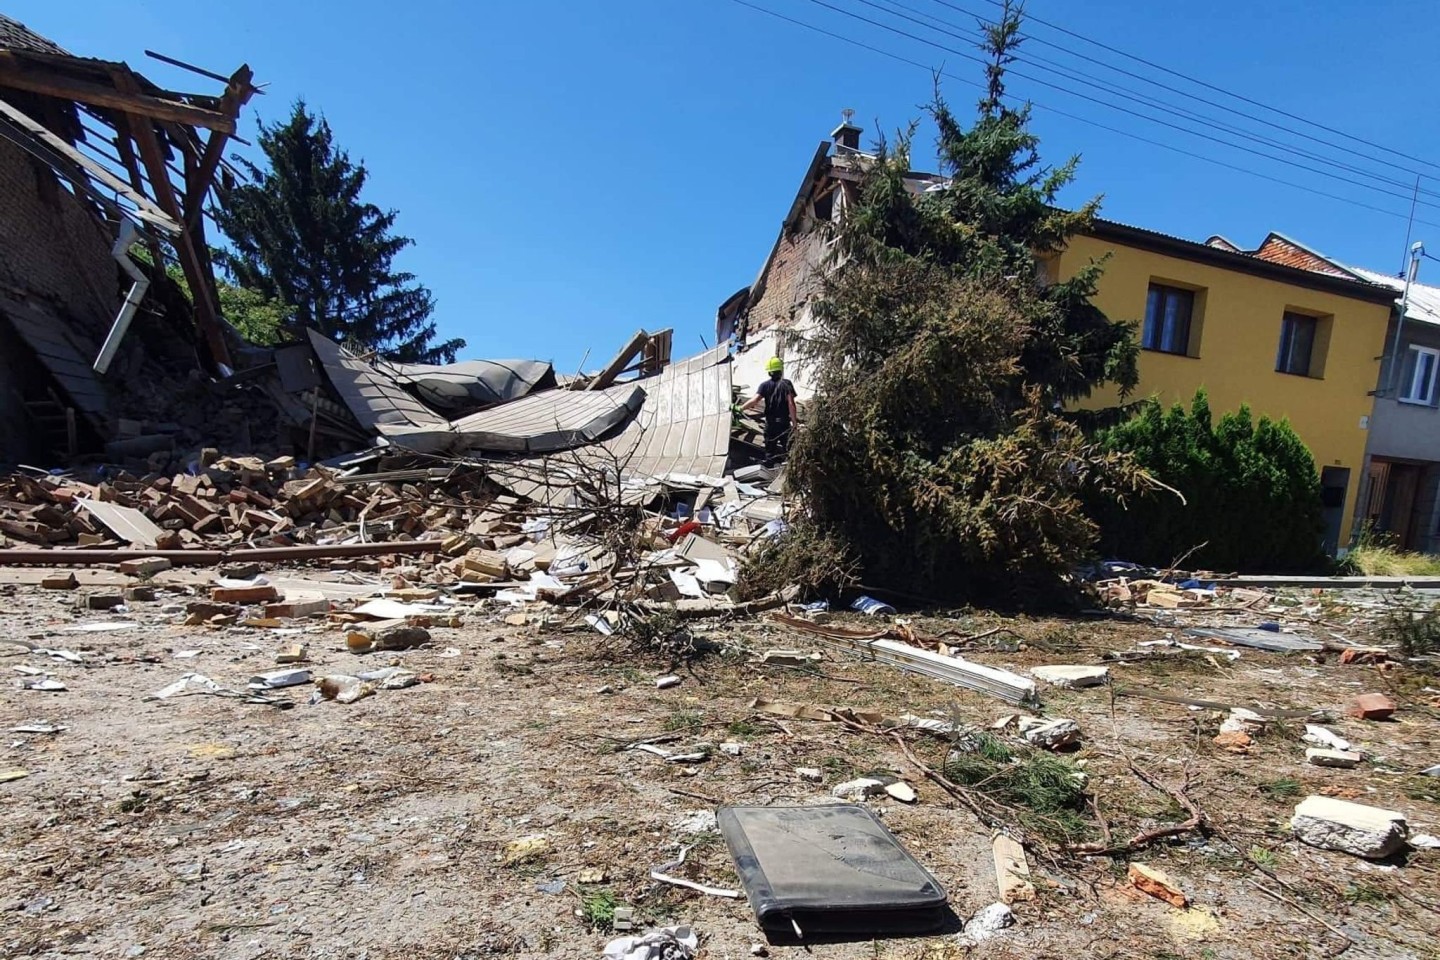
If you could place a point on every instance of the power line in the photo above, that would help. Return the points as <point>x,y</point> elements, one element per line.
<point>1081,119</point>
<point>1173,109</point>
<point>1205,84</point>
<point>1074,93</point>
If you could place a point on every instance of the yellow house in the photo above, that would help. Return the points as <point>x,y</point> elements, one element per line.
<point>1275,328</point>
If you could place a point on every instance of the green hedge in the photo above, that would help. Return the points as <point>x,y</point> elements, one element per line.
<point>1252,492</point>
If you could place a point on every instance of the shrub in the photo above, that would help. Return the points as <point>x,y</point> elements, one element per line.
<point>1252,493</point>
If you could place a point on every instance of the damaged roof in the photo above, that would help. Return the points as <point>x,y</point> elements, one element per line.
<point>14,35</point>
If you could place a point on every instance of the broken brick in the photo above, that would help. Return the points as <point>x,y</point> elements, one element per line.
<point>1157,884</point>
<point>1371,706</point>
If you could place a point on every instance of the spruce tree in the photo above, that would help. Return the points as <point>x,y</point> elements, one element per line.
<point>937,447</point>
<point>301,234</point>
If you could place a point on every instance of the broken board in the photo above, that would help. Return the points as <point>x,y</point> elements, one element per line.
<point>1268,640</point>
<point>127,523</point>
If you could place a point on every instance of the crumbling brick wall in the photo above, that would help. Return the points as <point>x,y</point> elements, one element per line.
<point>51,247</point>
<point>789,281</point>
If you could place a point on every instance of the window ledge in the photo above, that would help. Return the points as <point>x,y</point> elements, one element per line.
<point>1414,402</point>
<point>1302,376</point>
<point>1168,353</point>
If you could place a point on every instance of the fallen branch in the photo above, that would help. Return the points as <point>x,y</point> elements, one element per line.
<point>1146,837</point>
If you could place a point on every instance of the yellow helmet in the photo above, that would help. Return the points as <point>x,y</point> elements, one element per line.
<point>774,365</point>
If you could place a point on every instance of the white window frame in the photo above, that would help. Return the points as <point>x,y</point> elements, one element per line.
<point>1409,395</point>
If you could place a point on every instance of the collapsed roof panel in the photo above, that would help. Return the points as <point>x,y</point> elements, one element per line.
<point>683,428</point>
<point>373,398</point>
<point>473,383</point>
<point>547,422</point>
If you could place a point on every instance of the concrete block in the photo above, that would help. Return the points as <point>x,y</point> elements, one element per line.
<point>1352,828</point>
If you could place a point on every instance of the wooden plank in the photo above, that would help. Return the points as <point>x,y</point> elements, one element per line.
<point>1012,872</point>
<point>146,210</point>
<point>622,359</point>
<point>23,73</point>
<point>207,313</point>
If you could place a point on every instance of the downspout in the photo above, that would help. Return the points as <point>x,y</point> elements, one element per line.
<point>121,253</point>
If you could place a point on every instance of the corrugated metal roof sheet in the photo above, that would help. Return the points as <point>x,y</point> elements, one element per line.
<point>463,386</point>
<point>550,421</point>
<point>375,399</point>
<point>1424,303</point>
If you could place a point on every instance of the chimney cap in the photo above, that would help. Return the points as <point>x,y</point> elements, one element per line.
<point>847,134</point>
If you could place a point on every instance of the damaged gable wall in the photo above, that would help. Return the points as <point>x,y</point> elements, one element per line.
<point>53,255</point>
<point>50,246</point>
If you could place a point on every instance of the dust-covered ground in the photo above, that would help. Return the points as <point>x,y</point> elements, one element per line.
<point>205,826</point>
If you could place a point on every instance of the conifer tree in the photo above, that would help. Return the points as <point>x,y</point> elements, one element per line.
<point>302,235</point>
<point>936,448</point>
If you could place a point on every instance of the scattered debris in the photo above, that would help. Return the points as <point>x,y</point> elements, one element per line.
<point>663,943</point>
<point>1352,828</point>
<point>1072,677</point>
<point>798,868</point>
<point>277,679</point>
<point>1323,757</point>
<point>7,776</point>
<point>1267,640</point>
<point>295,653</point>
<point>1244,721</point>
<point>901,791</point>
<point>871,607</point>
<point>1012,870</point>
<point>1004,684</point>
<point>1371,706</point>
<point>662,875</point>
<point>809,774</point>
<point>1325,738</point>
<point>987,924</point>
<point>665,682</point>
<point>525,849</point>
<point>1157,884</point>
<point>60,581</point>
<point>860,789</point>
<point>386,635</point>
<point>1050,734</point>
<point>1235,741</point>
<point>41,682</point>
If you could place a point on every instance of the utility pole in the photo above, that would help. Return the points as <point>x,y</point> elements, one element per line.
<point>1417,250</point>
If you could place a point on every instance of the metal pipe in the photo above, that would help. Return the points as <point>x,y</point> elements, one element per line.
<point>61,557</point>
<point>121,253</point>
<point>1417,250</point>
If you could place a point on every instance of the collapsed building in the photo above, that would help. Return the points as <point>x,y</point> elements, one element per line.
<point>97,162</point>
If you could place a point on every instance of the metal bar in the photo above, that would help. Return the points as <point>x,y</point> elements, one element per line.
<point>61,557</point>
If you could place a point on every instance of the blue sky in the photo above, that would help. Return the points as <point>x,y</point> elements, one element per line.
<point>575,171</point>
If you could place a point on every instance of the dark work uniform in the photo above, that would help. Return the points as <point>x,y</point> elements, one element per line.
<point>776,392</point>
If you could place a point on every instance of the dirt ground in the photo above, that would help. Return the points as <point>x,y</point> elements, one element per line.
<point>205,826</point>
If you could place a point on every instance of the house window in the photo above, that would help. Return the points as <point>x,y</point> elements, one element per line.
<point>1417,384</point>
<point>1167,319</point>
<point>1297,342</point>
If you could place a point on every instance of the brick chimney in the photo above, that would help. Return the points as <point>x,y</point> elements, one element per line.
<point>847,135</point>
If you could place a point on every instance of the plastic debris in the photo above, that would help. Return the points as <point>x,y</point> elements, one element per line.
<point>871,607</point>
<point>1322,737</point>
<point>43,682</point>
<point>276,679</point>
<point>663,943</point>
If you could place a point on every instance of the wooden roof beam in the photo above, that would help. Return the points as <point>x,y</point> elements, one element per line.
<point>53,81</point>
